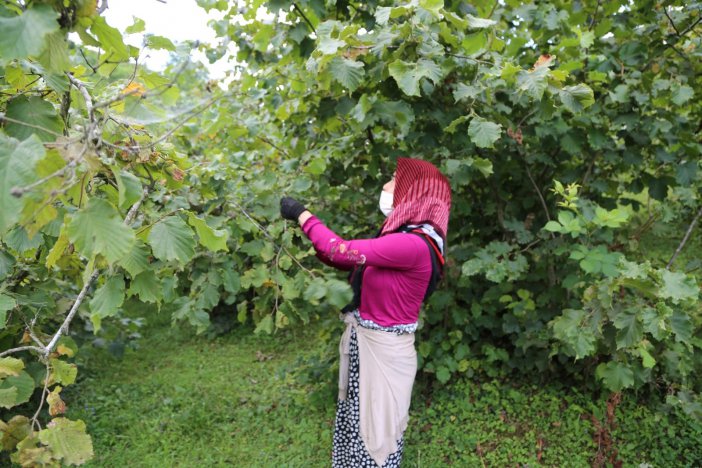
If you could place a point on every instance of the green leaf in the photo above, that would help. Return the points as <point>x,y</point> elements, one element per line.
<point>109,297</point>
<point>136,27</point>
<point>347,72</point>
<point>98,229</point>
<point>211,239</point>
<point>159,42</point>
<point>464,91</point>
<point>534,82</point>
<point>17,162</point>
<point>67,440</point>
<point>63,372</point>
<point>54,58</point>
<point>432,6</point>
<point>315,291</point>
<point>265,325</point>
<point>574,329</point>
<point>678,286</point>
<point>405,76</point>
<point>681,325</point>
<point>615,375</point>
<point>10,366</point>
<point>21,386</point>
<point>629,329</point>
<point>172,239</point>
<point>576,98</point>
<point>484,133</point>
<point>329,46</point>
<point>40,114</point>
<point>479,23</point>
<point>129,187</point>
<point>443,375</point>
<point>16,430</point>
<point>683,94</point>
<point>147,286</point>
<point>23,36</point>
<point>110,39</point>
<point>136,260</point>
<point>648,360</point>
<point>338,293</point>
<point>6,303</point>
<point>231,281</point>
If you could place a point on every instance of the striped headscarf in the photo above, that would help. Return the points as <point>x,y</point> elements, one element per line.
<point>422,195</point>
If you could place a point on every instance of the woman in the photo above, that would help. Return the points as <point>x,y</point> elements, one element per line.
<point>395,270</point>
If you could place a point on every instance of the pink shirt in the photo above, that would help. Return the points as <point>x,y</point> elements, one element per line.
<point>398,268</point>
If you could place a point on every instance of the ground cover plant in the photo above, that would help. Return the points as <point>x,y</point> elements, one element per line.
<point>570,132</point>
<point>245,399</point>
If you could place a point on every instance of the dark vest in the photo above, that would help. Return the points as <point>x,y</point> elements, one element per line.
<point>437,270</point>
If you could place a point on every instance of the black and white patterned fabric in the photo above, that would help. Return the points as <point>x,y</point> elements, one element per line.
<point>349,450</point>
<point>396,329</point>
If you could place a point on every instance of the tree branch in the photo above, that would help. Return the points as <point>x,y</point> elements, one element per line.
<point>270,237</point>
<point>301,13</point>
<point>81,296</point>
<point>21,348</point>
<point>665,10</point>
<point>684,240</point>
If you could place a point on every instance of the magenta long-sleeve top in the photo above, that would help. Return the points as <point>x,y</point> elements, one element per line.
<point>398,268</point>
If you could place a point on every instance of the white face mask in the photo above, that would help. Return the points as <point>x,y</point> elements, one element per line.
<point>385,203</point>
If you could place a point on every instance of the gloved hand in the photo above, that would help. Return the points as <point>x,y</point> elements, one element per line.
<point>290,208</point>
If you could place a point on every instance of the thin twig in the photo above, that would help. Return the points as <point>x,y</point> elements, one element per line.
<point>689,28</point>
<point>21,348</point>
<point>81,296</point>
<point>204,106</point>
<point>684,240</point>
<point>665,10</point>
<point>271,238</point>
<point>19,191</point>
<point>297,8</point>
<point>38,127</point>
<point>35,420</point>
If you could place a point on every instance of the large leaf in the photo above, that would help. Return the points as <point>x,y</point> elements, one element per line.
<point>407,75</point>
<point>98,229</point>
<point>24,35</point>
<point>136,260</point>
<point>68,441</point>
<point>6,303</point>
<point>576,98</point>
<point>63,372</point>
<point>17,161</point>
<point>534,82</point>
<point>40,114</point>
<point>147,286</point>
<point>172,239</point>
<point>615,375</point>
<point>10,366</point>
<point>129,187</point>
<point>20,385</point>
<point>110,39</point>
<point>484,133</point>
<point>109,297</point>
<point>347,72</point>
<point>678,287</point>
<point>212,239</point>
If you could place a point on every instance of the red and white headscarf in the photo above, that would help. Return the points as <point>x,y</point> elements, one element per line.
<point>422,195</point>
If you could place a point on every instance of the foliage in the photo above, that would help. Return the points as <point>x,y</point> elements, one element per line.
<point>121,187</point>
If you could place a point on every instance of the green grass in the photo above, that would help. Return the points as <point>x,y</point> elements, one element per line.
<point>268,401</point>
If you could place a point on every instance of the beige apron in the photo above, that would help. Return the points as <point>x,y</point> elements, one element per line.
<point>387,367</point>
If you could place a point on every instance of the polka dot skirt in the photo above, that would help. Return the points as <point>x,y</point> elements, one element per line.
<point>349,450</point>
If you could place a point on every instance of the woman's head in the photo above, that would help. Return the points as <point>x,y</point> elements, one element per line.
<point>420,194</point>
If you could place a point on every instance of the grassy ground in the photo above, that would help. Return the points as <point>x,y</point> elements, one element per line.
<point>245,400</point>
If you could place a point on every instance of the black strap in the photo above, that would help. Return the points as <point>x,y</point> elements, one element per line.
<point>356,275</point>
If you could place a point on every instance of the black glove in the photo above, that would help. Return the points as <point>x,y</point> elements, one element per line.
<point>291,208</point>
